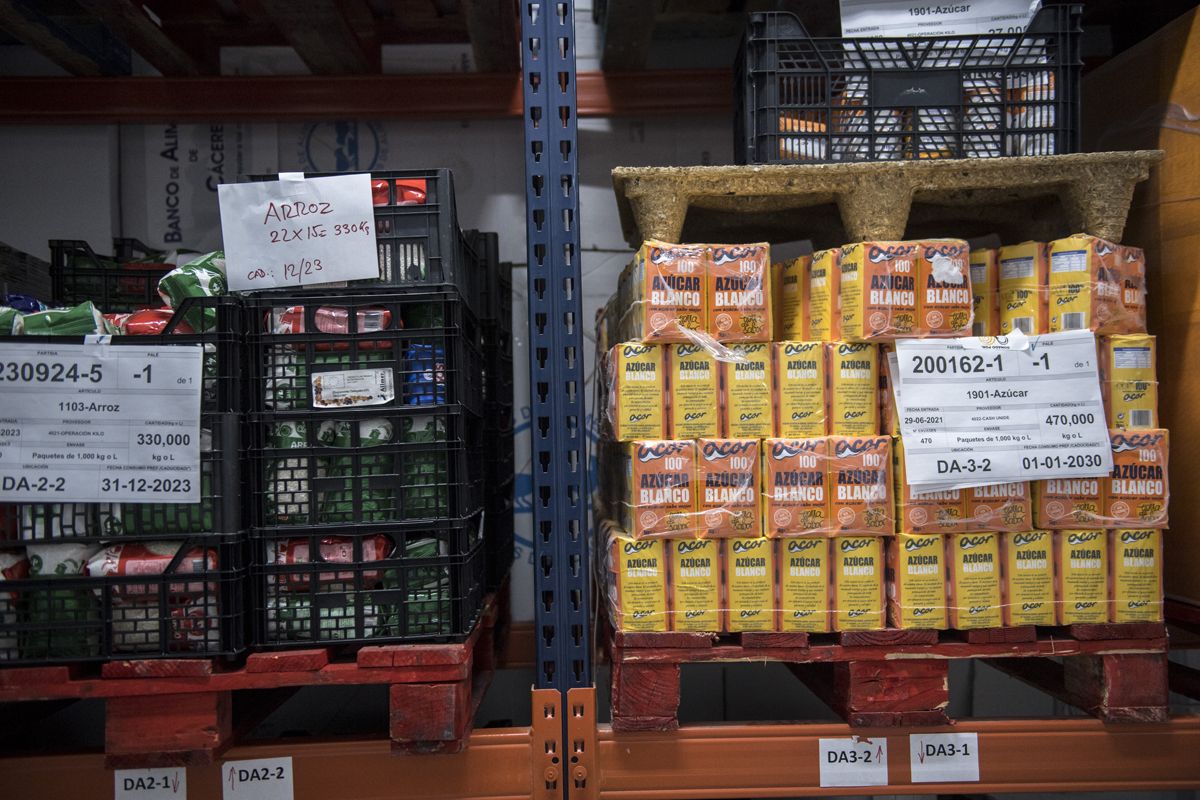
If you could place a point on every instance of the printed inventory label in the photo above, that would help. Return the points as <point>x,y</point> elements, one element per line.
<point>257,779</point>
<point>864,18</point>
<point>96,423</point>
<point>167,783</point>
<point>944,757</point>
<point>855,761</point>
<point>978,411</point>
<point>352,387</point>
<point>298,231</point>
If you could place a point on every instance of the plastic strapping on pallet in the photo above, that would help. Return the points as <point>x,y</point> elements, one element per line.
<point>556,370</point>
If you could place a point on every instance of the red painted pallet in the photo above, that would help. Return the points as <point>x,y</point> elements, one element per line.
<point>890,678</point>
<point>180,711</point>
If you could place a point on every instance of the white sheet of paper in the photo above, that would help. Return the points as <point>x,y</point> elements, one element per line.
<point>944,757</point>
<point>853,761</point>
<point>976,411</point>
<point>258,779</point>
<point>158,783</point>
<point>902,18</point>
<point>298,231</point>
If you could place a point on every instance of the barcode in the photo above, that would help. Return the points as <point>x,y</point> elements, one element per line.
<point>1140,418</point>
<point>1023,324</point>
<point>1074,321</point>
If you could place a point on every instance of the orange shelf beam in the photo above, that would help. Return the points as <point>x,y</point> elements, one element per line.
<point>62,101</point>
<point>1020,755</point>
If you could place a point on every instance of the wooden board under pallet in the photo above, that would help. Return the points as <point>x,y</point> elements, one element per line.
<point>901,678</point>
<point>180,711</point>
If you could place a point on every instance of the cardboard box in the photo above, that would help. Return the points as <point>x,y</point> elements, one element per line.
<point>748,411</point>
<point>878,290</point>
<point>659,496</point>
<point>739,292</point>
<point>1028,578</point>
<point>791,287</point>
<point>853,370</point>
<point>858,585</point>
<point>637,396</point>
<point>749,584</point>
<point>824,313</point>
<point>795,486</point>
<point>974,591</point>
<point>804,583</point>
<point>1137,568</point>
<point>1081,573</point>
<point>637,572</point>
<point>728,499</point>
<point>985,292</point>
<point>916,584</point>
<point>800,396</point>
<point>695,585</point>
<point>1155,85</point>
<point>1023,289</point>
<point>694,382</point>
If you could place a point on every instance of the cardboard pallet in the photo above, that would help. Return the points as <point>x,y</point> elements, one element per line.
<point>180,711</point>
<point>901,678</point>
<point>1041,197</point>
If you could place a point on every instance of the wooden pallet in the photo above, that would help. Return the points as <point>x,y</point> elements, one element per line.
<point>1040,197</point>
<point>180,711</point>
<point>901,678</point>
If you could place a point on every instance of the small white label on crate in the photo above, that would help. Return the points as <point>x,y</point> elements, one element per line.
<point>89,423</point>
<point>944,757</point>
<point>855,761</point>
<point>257,779</point>
<point>166,783</point>
<point>353,387</point>
<point>977,411</point>
<point>298,231</point>
<point>900,18</point>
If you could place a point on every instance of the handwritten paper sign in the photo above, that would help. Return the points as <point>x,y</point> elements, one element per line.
<point>298,231</point>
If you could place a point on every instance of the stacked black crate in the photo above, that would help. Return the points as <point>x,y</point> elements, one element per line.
<point>93,581</point>
<point>123,282</point>
<point>366,450</point>
<point>496,329</point>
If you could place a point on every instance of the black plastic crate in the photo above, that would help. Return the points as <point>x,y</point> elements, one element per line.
<point>395,583</point>
<point>186,602</point>
<point>498,378</point>
<point>354,470</point>
<point>129,249</point>
<point>802,99</point>
<point>221,445</point>
<point>425,343</point>
<point>500,536</point>
<point>114,284</point>
<point>417,235</point>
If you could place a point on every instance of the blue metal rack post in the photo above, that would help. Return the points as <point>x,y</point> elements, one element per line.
<point>555,352</point>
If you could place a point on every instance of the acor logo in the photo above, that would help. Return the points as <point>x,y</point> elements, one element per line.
<point>782,450</point>
<point>746,547</point>
<point>969,542</point>
<point>637,547</point>
<point>856,447</point>
<point>659,255</point>
<point>690,546</point>
<point>1081,538</point>
<point>633,350</point>
<point>1128,537</point>
<point>849,348</point>
<point>1121,442</point>
<point>685,350</point>
<point>800,545</point>
<point>879,254</point>
<point>850,545</point>
<point>714,450</point>
<point>799,348</point>
<point>1022,539</point>
<point>917,544</point>
<point>725,255</point>
<point>662,449</point>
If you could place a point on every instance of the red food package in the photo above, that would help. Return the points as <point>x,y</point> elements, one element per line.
<point>332,319</point>
<point>411,192</point>
<point>151,322</point>
<point>379,193</point>
<point>150,559</point>
<point>331,550</point>
<point>115,320</point>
